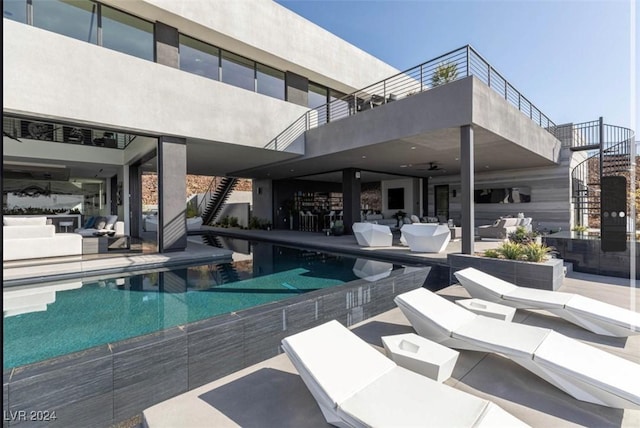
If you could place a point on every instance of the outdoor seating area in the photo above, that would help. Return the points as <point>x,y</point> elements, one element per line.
<point>503,226</point>
<point>593,315</point>
<point>582,371</point>
<point>356,386</point>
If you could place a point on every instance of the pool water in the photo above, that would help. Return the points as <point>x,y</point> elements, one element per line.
<point>51,320</point>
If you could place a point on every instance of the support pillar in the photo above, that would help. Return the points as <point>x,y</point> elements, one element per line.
<point>350,197</point>
<point>172,194</point>
<point>135,200</point>
<point>467,177</point>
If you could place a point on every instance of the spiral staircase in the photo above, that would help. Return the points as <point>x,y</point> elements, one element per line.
<point>608,154</point>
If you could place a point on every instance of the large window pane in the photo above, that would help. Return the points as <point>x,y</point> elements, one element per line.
<point>270,81</point>
<point>198,58</point>
<point>238,71</point>
<point>127,34</point>
<point>73,18</point>
<point>317,95</point>
<point>338,108</point>
<point>15,10</point>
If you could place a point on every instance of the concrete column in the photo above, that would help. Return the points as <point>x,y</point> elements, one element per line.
<point>350,197</point>
<point>167,42</point>
<point>172,194</point>
<point>262,192</point>
<point>467,177</point>
<point>424,209</point>
<point>297,89</point>
<point>125,200</point>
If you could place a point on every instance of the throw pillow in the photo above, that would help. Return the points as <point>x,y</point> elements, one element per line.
<point>100,223</point>
<point>90,222</point>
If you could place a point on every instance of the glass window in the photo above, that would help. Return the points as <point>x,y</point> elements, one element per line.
<point>73,18</point>
<point>338,108</point>
<point>270,81</point>
<point>317,95</point>
<point>127,34</point>
<point>238,71</point>
<point>15,10</point>
<point>199,58</point>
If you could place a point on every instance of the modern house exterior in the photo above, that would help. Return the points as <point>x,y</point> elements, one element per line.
<point>97,93</point>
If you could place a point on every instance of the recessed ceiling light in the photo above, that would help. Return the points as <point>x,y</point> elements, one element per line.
<point>403,166</point>
<point>291,170</point>
<point>413,147</point>
<point>457,158</point>
<point>364,157</point>
<point>486,166</point>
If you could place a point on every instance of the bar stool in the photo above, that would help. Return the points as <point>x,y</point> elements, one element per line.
<point>66,225</point>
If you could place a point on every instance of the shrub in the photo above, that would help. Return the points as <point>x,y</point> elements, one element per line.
<point>521,236</point>
<point>580,228</point>
<point>537,253</point>
<point>511,250</point>
<point>225,221</point>
<point>233,222</point>
<point>492,253</point>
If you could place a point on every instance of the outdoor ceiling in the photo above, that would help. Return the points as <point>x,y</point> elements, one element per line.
<point>412,156</point>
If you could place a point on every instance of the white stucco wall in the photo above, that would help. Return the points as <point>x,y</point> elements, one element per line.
<point>269,33</point>
<point>49,75</point>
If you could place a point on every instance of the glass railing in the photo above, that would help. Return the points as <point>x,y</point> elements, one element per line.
<point>36,129</point>
<point>452,66</point>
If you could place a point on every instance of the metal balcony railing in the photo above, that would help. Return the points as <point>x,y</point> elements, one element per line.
<point>454,65</point>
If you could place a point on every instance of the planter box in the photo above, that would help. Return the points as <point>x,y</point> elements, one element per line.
<point>544,276</point>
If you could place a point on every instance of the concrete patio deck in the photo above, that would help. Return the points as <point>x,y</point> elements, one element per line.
<point>271,393</point>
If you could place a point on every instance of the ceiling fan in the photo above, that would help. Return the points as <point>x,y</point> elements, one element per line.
<point>433,166</point>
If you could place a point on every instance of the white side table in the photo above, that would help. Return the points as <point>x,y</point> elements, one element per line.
<point>421,355</point>
<point>488,309</point>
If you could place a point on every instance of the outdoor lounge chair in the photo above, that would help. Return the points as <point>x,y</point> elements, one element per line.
<point>582,371</point>
<point>500,229</point>
<point>593,315</point>
<point>356,386</point>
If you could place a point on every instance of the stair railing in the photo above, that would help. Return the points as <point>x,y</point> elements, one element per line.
<point>451,66</point>
<point>208,194</point>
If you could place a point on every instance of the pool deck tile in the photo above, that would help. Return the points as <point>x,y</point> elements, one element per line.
<point>270,383</point>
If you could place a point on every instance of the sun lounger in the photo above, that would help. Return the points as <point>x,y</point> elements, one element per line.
<point>593,315</point>
<point>582,371</point>
<point>356,386</point>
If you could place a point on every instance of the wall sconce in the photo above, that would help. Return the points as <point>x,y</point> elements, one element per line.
<point>357,174</point>
<point>259,190</point>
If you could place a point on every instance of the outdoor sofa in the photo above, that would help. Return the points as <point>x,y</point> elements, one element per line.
<point>582,371</point>
<point>31,237</point>
<point>593,315</point>
<point>101,225</point>
<point>356,385</point>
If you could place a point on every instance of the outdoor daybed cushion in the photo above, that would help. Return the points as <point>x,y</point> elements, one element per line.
<point>582,371</point>
<point>357,386</point>
<point>593,315</point>
<point>31,237</point>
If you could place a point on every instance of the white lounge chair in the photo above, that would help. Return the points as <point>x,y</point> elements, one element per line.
<point>372,235</point>
<point>357,386</point>
<point>425,237</point>
<point>593,315</point>
<point>582,371</point>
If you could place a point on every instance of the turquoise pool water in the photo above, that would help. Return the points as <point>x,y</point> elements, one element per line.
<point>51,320</point>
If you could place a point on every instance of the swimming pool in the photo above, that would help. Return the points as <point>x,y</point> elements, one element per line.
<point>50,320</point>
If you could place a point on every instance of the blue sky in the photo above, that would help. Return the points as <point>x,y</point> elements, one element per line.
<point>572,59</point>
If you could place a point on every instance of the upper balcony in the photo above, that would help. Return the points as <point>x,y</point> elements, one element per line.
<point>403,123</point>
